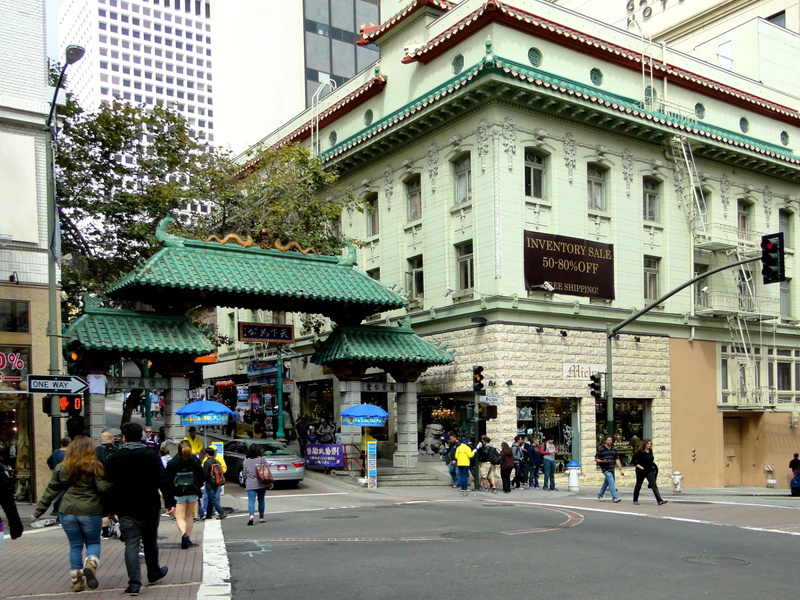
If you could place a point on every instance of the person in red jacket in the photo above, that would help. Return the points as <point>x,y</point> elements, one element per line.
<point>548,452</point>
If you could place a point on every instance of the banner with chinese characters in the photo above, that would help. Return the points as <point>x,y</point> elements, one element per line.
<point>324,455</point>
<point>204,419</point>
<point>568,265</point>
<point>364,421</point>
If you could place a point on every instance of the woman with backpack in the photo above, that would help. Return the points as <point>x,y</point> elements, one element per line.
<point>506,466</point>
<point>186,475</point>
<point>78,482</point>
<point>255,488</point>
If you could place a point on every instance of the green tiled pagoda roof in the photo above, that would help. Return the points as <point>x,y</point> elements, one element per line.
<point>188,272</point>
<point>131,332</point>
<point>380,346</point>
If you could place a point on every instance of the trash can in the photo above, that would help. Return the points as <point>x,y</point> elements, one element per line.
<point>769,474</point>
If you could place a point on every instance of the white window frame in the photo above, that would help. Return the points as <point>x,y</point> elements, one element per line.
<point>596,187</point>
<point>651,199</point>
<point>414,198</point>
<point>535,170</point>
<point>465,264</point>
<point>415,278</point>
<point>462,179</point>
<point>651,271</point>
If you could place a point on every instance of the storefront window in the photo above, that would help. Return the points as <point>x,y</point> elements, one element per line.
<point>15,418</point>
<point>557,417</point>
<point>631,425</point>
<point>316,400</point>
<point>437,415</point>
<point>14,316</point>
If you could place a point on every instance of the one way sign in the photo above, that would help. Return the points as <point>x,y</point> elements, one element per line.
<point>56,384</point>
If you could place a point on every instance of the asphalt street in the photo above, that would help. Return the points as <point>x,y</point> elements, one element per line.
<point>325,540</point>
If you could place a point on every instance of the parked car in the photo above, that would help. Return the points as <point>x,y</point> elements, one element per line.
<point>283,462</point>
<point>795,484</point>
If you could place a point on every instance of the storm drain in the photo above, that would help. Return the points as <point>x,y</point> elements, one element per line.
<point>720,561</point>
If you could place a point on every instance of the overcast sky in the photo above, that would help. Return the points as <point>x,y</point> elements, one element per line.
<point>52,28</point>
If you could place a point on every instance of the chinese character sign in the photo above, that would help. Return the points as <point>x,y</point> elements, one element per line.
<point>324,455</point>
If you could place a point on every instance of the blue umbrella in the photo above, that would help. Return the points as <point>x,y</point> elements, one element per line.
<point>368,411</point>
<point>202,407</point>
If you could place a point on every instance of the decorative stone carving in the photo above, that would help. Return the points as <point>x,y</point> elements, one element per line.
<point>627,170</point>
<point>482,136</point>
<point>539,135</point>
<point>415,236</point>
<point>388,185</point>
<point>455,142</point>
<point>462,218</point>
<point>432,442</point>
<point>680,175</point>
<point>569,155</point>
<point>725,194</point>
<point>537,212</point>
<point>767,204</point>
<point>433,166</point>
<point>509,141</point>
<point>408,165</point>
<point>367,185</point>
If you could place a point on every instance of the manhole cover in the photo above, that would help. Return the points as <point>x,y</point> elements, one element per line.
<point>342,517</point>
<point>722,561</point>
<point>474,535</point>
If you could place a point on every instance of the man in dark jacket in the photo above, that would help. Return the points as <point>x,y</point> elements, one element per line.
<point>138,474</point>
<point>14,523</point>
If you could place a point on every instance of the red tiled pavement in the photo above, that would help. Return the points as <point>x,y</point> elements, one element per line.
<point>37,566</point>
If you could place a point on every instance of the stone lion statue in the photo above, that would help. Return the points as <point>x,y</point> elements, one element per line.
<point>432,443</point>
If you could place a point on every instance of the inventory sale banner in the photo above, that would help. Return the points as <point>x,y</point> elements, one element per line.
<point>324,455</point>
<point>570,265</point>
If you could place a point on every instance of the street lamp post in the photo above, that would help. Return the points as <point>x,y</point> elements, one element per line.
<point>72,55</point>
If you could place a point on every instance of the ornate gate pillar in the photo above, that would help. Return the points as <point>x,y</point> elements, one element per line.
<point>174,398</point>
<point>406,420</point>
<point>95,415</point>
<point>349,395</point>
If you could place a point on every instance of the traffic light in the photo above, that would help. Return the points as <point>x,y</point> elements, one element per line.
<point>74,355</point>
<point>70,403</point>
<point>596,386</point>
<point>491,411</point>
<point>772,263</point>
<point>477,379</point>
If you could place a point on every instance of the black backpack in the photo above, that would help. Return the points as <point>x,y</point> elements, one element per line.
<point>492,455</point>
<point>185,484</point>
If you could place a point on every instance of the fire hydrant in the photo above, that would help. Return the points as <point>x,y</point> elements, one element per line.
<point>573,472</point>
<point>676,482</point>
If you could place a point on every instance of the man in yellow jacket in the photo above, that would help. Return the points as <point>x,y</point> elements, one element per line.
<point>464,454</point>
<point>195,441</point>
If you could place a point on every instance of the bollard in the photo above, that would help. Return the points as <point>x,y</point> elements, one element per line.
<point>676,482</point>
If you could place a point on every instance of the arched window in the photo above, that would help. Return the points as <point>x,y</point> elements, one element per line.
<point>535,168</point>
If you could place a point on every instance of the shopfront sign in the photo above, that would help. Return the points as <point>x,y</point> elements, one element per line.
<point>491,400</point>
<point>372,464</point>
<point>572,266</point>
<point>571,370</point>
<point>364,421</point>
<point>56,384</point>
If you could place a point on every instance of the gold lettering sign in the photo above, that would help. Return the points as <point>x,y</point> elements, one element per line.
<point>570,265</point>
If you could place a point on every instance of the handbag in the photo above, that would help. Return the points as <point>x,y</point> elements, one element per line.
<point>263,473</point>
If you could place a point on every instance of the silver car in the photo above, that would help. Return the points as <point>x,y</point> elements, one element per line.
<point>283,462</point>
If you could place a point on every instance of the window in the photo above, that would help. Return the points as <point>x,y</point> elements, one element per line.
<point>463,180</point>
<point>373,225</point>
<point>701,202</point>
<point>595,181</point>
<point>466,266</point>
<point>416,280</point>
<point>744,285</point>
<point>786,298</point>
<point>701,287</point>
<point>414,198</point>
<point>651,265</point>
<point>14,316</point>
<point>650,193</point>
<point>785,227</point>
<point>374,274</point>
<point>534,174</point>
<point>744,209</point>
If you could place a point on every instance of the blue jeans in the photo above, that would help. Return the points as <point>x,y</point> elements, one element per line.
<point>141,530</point>
<point>81,530</point>
<point>609,483</point>
<point>251,501</point>
<point>533,475</point>
<point>212,501</point>
<point>463,477</point>
<point>549,472</point>
<point>453,469</point>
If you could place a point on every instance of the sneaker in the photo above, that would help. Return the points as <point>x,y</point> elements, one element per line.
<point>617,500</point>
<point>636,504</point>
<point>132,590</point>
<point>455,486</point>
<point>262,520</point>
<point>494,490</point>
<point>663,502</point>
<point>601,499</point>
<point>162,572</point>
<point>221,516</point>
<point>530,487</point>
<point>553,489</point>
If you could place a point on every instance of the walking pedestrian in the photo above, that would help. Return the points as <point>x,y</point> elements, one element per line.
<point>255,488</point>
<point>608,459</point>
<point>464,454</point>
<point>138,476</point>
<point>450,459</point>
<point>548,452</point>
<point>794,464</point>
<point>302,434</point>
<point>520,461</point>
<point>59,453</point>
<point>9,507</point>
<point>646,468</point>
<point>186,475</point>
<point>78,481</point>
<point>488,462</point>
<point>507,465</point>
<point>212,490</point>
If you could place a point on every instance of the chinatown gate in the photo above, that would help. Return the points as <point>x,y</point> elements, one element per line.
<point>187,273</point>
